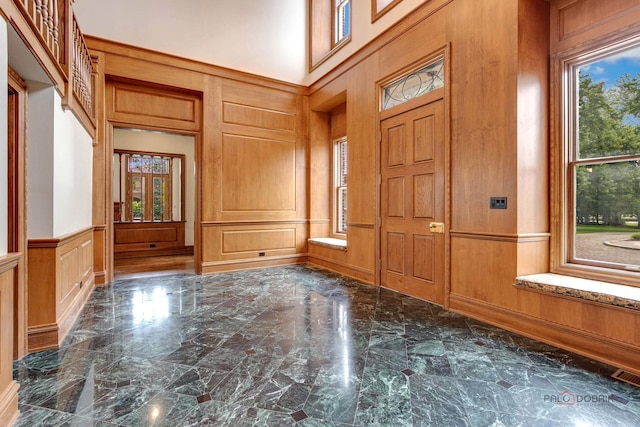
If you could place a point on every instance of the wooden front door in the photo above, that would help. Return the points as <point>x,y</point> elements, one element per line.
<point>412,202</point>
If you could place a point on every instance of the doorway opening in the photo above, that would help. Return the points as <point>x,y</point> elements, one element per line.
<point>154,203</point>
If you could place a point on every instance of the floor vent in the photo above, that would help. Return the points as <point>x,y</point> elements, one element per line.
<point>627,377</point>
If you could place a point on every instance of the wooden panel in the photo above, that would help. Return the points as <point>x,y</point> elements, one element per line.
<point>86,258</point>
<point>8,387</point>
<point>578,15</point>
<point>141,103</point>
<point>271,183</point>
<point>145,106</point>
<point>395,252</point>
<point>242,245</point>
<point>258,240</point>
<point>423,196</point>
<point>395,199</point>
<point>396,148</point>
<point>423,257</point>
<point>257,117</point>
<point>69,277</point>
<point>146,235</point>
<point>424,135</point>
<point>60,278</point>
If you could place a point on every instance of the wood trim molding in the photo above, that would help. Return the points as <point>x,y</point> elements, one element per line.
<point>9,411</point>
<point>358,273</point>
<point>133,52</point>
<point>252,263</point>
<point>511,238</point>
<point>320,221</point>
<point>43,337</point>
<point>258,222</point>
<point>360,225</point>
<point>16,79</point>
<point>10,261</point>
<point>54,242</point>
<point>594,346</point>
<point>403,26</point>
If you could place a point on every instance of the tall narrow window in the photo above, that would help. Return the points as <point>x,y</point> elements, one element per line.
<point>340,185</point>
<point>329,29</point>
<point>602,190</point>
<point>342,20</point>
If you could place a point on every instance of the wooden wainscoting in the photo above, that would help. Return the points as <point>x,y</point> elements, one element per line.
<point>8,387</point>
<point>61,278</point>
<point>148,236</point>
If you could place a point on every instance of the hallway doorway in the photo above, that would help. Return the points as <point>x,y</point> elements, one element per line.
<point>153,185</point>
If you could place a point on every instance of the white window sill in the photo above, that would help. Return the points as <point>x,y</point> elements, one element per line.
<point>589,290</point>
<point>329,242</point>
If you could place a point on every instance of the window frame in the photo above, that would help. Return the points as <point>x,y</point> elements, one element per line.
<point>377,12</point>
<point>322,29</point>
<point>563,198</point>
<point>336,22</point>
<point>125,190</point>
<point>338,187</point>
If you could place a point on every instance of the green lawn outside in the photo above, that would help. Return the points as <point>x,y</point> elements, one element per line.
<point>585,229</point>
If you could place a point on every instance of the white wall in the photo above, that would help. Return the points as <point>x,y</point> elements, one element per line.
<point>40,161</point>
<point>73,174</point>
<point>363,31</point>
<point>3,138</point>
<point>265,37</point>
<point>126,139</point>
<point>59,167</point>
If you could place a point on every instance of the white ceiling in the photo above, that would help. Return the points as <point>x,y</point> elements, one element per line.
<point>265,37</point>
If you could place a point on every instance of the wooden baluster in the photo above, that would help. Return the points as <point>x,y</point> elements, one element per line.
<point>38,15</point>
<point>50,19</point>
<point>55,32</point>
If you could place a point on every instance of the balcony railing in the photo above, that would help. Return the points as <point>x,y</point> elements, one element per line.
<point>55,26</point>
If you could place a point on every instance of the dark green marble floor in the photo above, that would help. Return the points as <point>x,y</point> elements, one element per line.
<point>300,346</point>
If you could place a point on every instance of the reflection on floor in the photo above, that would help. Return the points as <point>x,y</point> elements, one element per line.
<point>300,346</point>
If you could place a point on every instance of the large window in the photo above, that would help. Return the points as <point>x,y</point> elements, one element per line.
<point>602,167</point>
<point>148,187</point>
<point>340,185</point>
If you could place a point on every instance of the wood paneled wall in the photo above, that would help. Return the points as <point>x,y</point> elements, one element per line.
<point>8,387</point>
<point>264,161</point>
<point>60,280</point>
<point>254,212</point>
<point>251,150</point>
<point>499,105</point>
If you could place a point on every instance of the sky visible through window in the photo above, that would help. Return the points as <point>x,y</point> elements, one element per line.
<point>610,69</point>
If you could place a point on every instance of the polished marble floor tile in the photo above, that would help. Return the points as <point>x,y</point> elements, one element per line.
<point>299,346</point>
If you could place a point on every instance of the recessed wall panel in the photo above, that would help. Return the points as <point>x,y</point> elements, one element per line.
<point>263,118</point>
<point>396,146</point>
<point>395,253</point>
<point>395,199</point>
<point>423,196</point>
<point>258,240</point>
<point>257,174</point>
<point>423,138</point>
<point>423,257</point>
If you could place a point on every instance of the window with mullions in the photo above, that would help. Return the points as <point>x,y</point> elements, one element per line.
<point>341,19</point>
<point>340,185</point>
<point>603,167</point>
<point>148,187</point>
